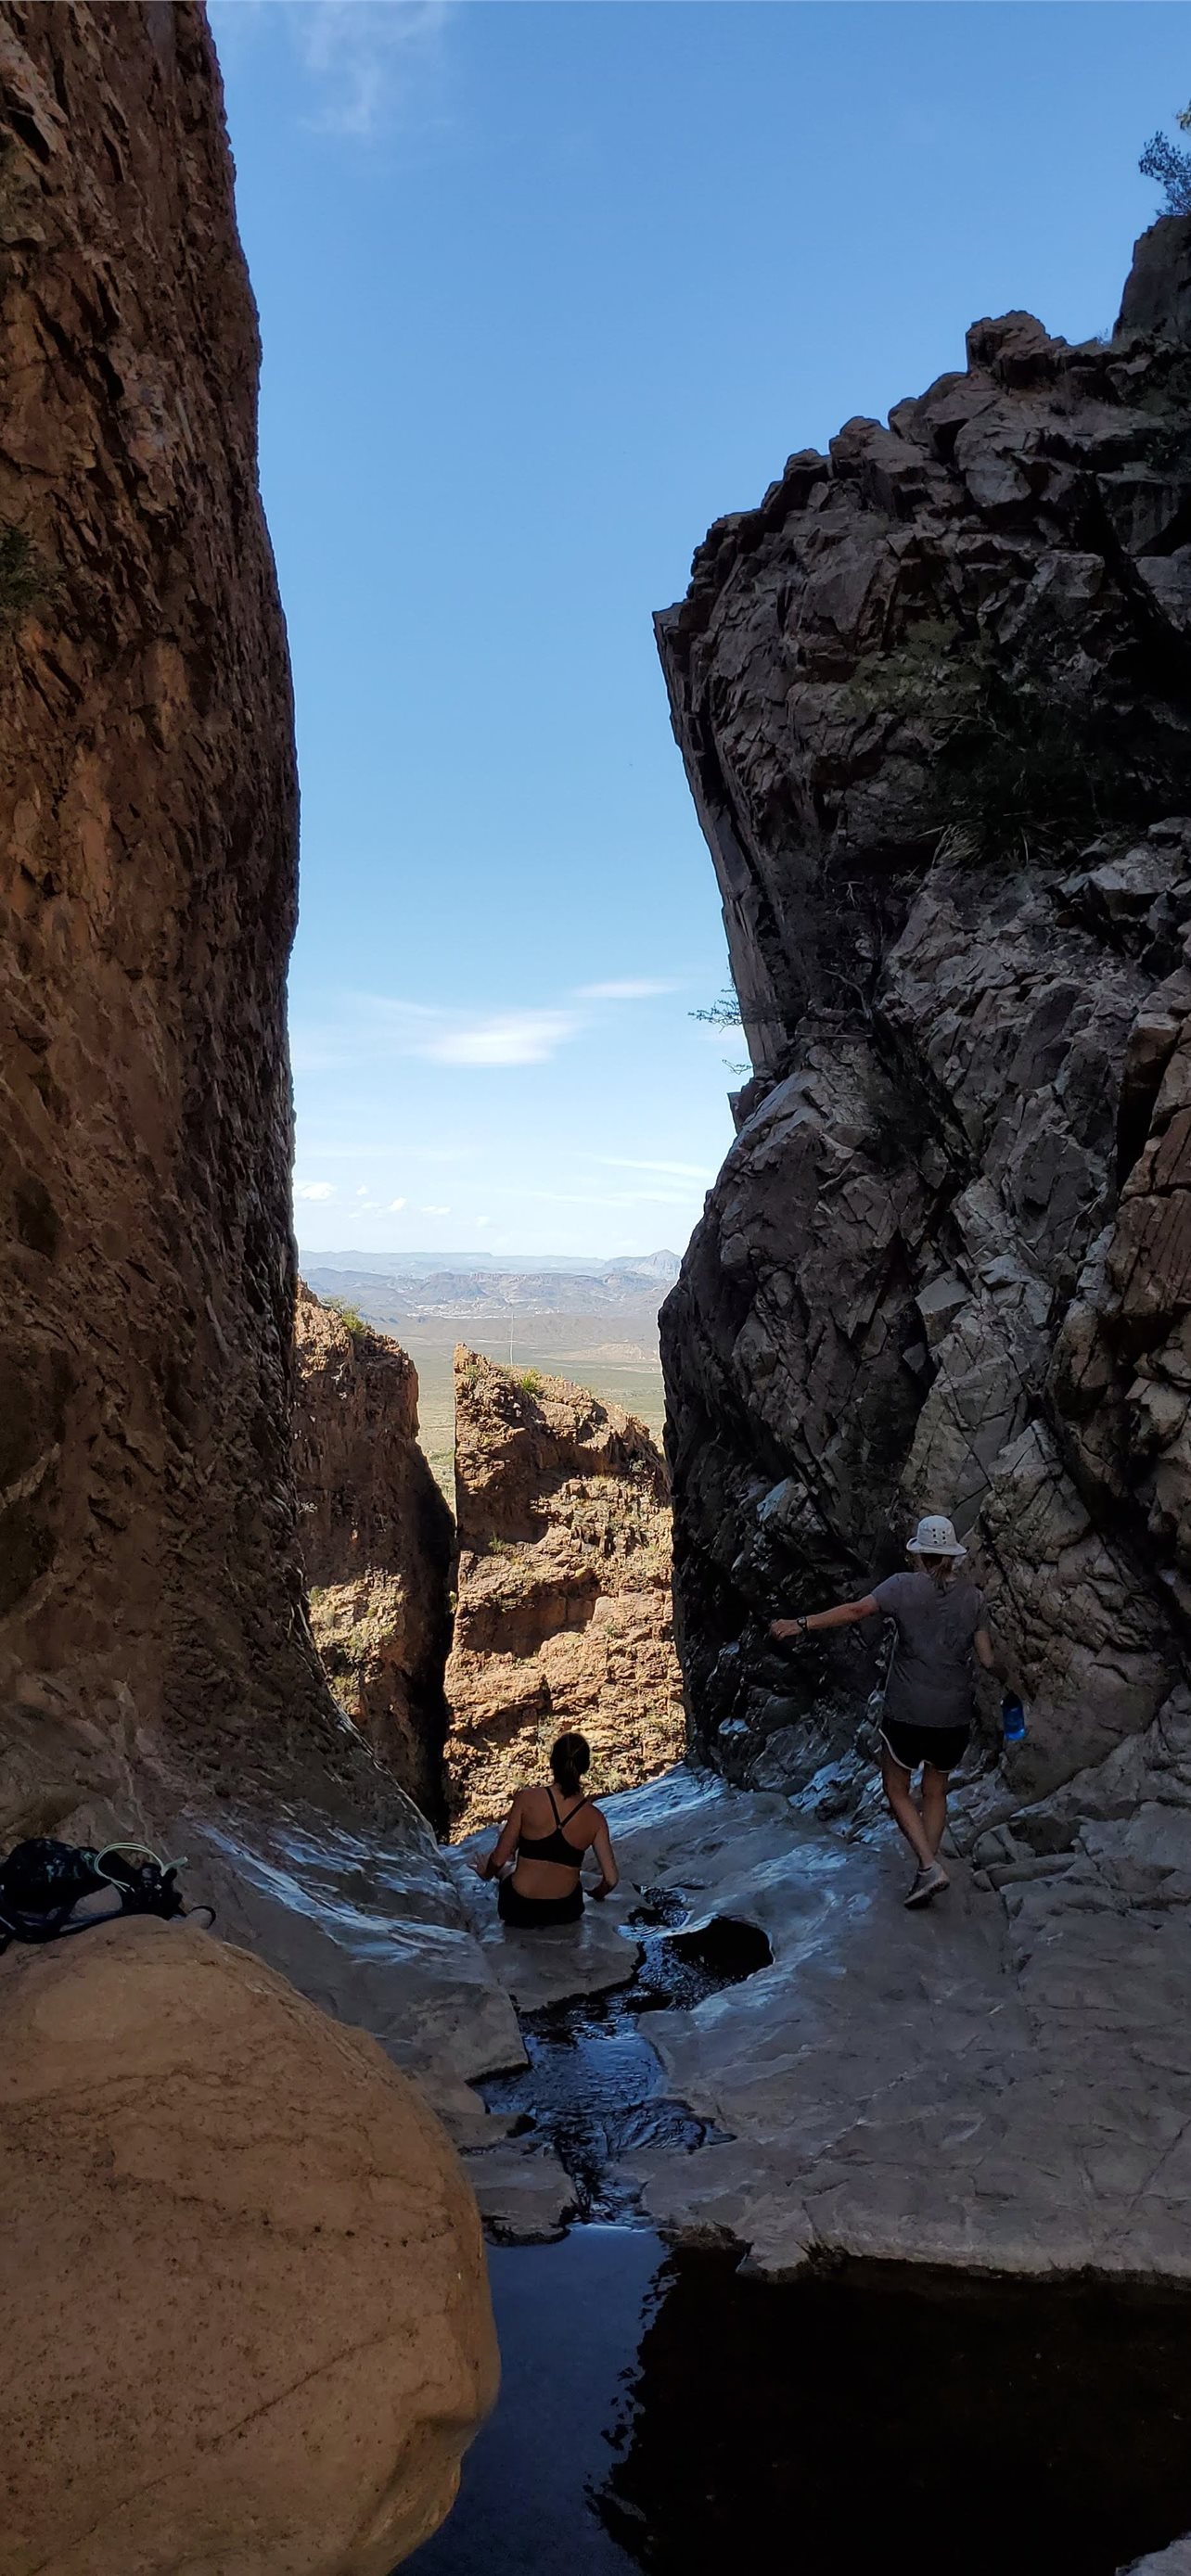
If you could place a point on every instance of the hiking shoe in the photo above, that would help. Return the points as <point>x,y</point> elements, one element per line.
<point>927,1883</point>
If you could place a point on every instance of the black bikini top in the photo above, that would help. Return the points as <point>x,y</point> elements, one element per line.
<point>553,1846</point>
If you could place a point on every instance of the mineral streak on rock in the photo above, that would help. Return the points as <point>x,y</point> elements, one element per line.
<point>933,701</point>
<point>564,1612</point>
<point>148,817</point>
<point>377,1542</point>
<point>245,2298</point>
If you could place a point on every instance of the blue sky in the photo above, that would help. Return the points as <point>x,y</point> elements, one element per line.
<point>544,289</point>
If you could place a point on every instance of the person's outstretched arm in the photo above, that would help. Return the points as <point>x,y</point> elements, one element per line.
<point>502,1853</point>
<point>843,1614</point>
<point>602,1848</point>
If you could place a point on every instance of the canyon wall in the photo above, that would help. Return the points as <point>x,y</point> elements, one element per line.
<point>149,805</point>
<point>932,696</point>
<point>377,1542</point>
<point>564,1610</point>
<point>157,1671</point>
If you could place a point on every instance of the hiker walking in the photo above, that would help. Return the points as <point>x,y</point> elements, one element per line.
<point>927,1718</point>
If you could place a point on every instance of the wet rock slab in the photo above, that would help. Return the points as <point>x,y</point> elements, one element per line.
<point>525,2197</point>
<point>959,2086</point>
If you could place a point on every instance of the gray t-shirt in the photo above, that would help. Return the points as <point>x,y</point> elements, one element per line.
<point>931,1680</point>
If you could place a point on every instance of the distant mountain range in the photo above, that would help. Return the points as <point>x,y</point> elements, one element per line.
<point>663,1266</point>
<point>475,1293</point>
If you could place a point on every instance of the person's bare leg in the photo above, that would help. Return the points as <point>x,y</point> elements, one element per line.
<point>934,1805</point>
<point>896,1784</point>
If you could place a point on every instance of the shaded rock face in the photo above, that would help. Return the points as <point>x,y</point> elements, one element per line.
<point>377,1541</point>
<point>564,1612</point>
<point>148,826</point>
<point>932,698</point>
<point>240,2217</point>
<point>157,1673</point>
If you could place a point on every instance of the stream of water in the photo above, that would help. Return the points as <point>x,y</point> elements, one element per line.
<point>593,2088</point>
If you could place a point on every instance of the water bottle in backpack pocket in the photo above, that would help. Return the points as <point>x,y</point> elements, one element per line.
<point>1013,1720</point>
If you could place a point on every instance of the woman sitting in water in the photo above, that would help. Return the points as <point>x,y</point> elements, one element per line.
<point>542,1843</point>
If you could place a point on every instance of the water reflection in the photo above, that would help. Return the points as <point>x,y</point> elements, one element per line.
<point>866,2413</point>
<point>570,2319</point>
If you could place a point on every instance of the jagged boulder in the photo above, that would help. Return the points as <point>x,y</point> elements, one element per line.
<point>564,1614</point>
<point>377,1541</point>
<point>932,697</point>
<point>244,2304</point>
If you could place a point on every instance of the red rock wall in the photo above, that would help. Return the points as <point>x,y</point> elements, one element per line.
<point>148,816</point>
<point>377,1542</point>
<point>564,1614</point>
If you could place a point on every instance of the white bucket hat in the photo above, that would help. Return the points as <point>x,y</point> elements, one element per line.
<point>935,1536</point>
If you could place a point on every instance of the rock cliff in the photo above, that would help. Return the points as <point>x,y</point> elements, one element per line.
<point>564,1612</point>
<point>157,1672</point>
<point>932,696</point>
<point>377,1542</point>
<point>149,813</point>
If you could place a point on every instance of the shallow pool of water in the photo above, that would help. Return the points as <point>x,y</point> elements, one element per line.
<point>658,2412</point>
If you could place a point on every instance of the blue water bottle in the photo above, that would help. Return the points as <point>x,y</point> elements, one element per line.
<point>1013,1720</point>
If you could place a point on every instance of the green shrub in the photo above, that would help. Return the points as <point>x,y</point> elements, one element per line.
<point>1170,164</point>
<point>348,1315</point>
<point>529,1381</point>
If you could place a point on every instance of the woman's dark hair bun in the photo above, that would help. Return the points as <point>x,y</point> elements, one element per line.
<point>569,1759</point>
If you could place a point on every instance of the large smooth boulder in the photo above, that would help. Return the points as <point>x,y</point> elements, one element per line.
<point>244,2306</point>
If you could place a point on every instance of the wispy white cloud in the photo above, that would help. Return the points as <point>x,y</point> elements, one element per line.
<point>658,1198</point>
<point>368,62</point>
<point>630,988</point>
<point>314,1189</point>
<point>434,1211</point>
<point>633,1163</point>
<point>373,1028</point>
<point>365,56</point>
<point>395,1206</point>
<point>510,1037</point>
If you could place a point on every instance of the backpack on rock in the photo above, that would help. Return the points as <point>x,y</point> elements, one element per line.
<point>41,1882</point>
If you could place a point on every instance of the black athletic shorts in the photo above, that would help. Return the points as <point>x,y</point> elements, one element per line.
<point>942,1746</point>
<point>536,1913</point>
